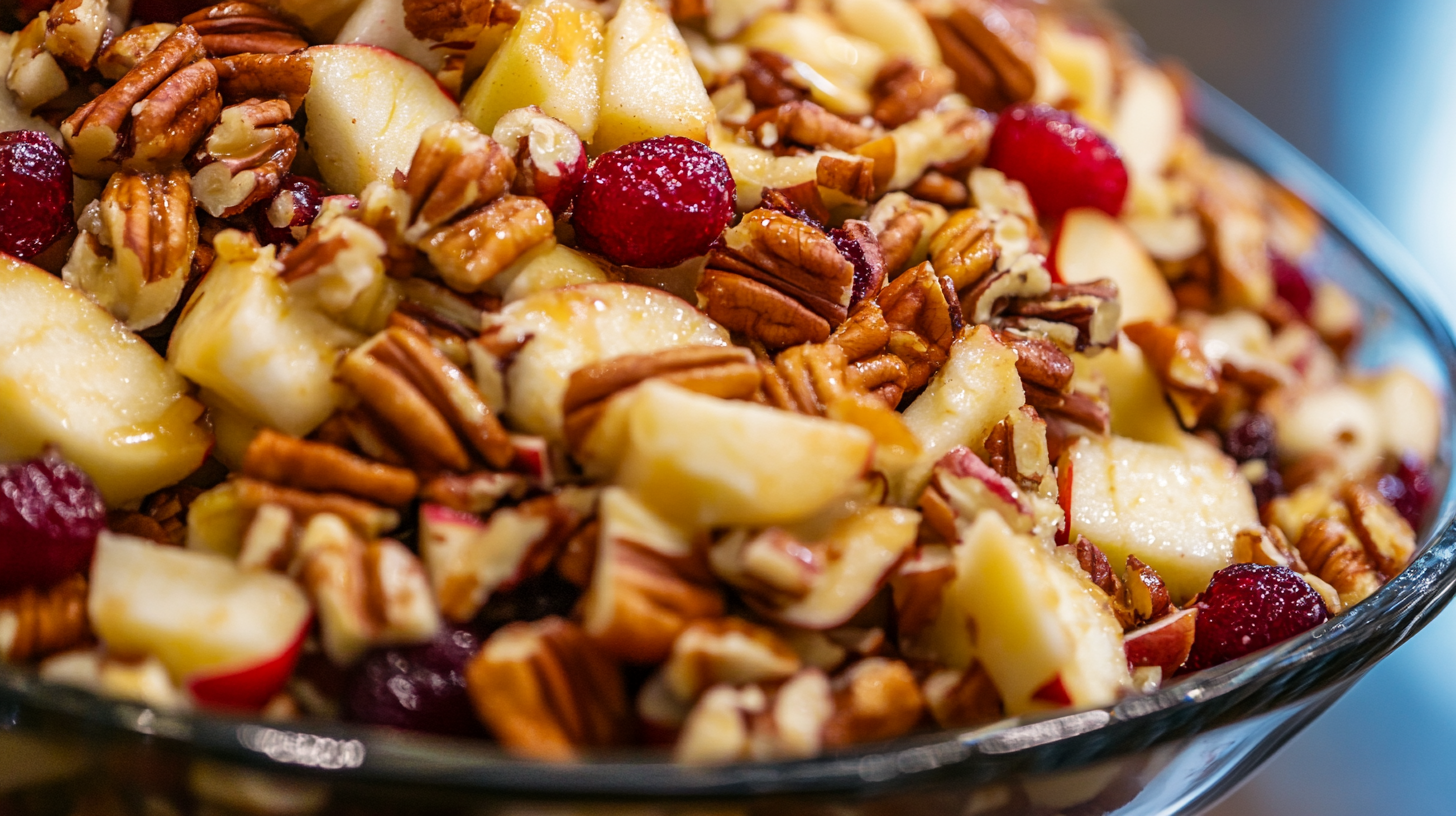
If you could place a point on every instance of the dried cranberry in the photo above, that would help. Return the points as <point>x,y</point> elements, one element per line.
<point>1291,284</point>
<point>857,243</point>
<point>1063,162</point>
<point>421,688</point>
<point>36,193</point>
<point>1409,490</point>
<point>654,203</point>
<point>1268,488</point>
<point>50,514</point>
<point>1249,606</point>
<point>1251,436</point>
<point>296,204</point>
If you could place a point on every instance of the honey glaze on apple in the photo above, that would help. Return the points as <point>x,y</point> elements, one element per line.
<point>747,379</point>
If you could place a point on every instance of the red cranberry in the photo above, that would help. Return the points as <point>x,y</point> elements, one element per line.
<point>1063,162</point>
<point>857,243</point>
<point>1249,606</point>
<point>36,193</point>
<point>1291,284</point>
<point>50,514</point>
<point>296,204</point>
<point>421,688</point>
<point>1250,437</point>
<point>654,203</point>
<point>1409,490</point>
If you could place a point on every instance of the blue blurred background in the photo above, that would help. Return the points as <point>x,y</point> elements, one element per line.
<point>1366,88</point>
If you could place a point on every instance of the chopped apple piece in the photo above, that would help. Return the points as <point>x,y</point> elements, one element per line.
<point>1338,421</point>
<point>861,551</point>
<point>975,389</point>
<point>842,66</point>
<point>234,633</point>
<point>1046,636</point>
<point>1178,509</point>
<point>1092,245</point>
<point>381,23</point>
<point>649,86</point>
<point>72,376</point>
<point>1148,122</point>
<point>573,327</point>
<point>245,337</point>
<point>323,17</point>
<point>894,25</point>
<point>1135,397</point>
<point>1411,411</point>
<point>1084,63</point>
<point>553,59</point>
<point>560,267</point>
<point>704,462</point>
<point>755,169</point>
<point>366,110</point>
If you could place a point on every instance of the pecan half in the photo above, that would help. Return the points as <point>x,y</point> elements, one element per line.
<point>902,90</point>
<point>285,460</point>
<point>74,31</point>
<point>243,159</point>
<point>770,79</point>
<point>455,169</point>
<point>807,124</point>
<point>923,317</point>
<point>153,116</point>
<point>264,76</point>
<point>904,226</point>
<point>991,48</point>
<point>874,699</point>
<point>1387,536</point>
<point>471,251</point>
<point>39,622</point>
<point>454,21</point>
<point>135,248</point>
<point>1336,556</point>
<point>1176,357</point>
<point>240,27</point>
<point>126,49</point>
<point>545,691</point>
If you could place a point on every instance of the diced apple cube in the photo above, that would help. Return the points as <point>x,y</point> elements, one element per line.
<point>863,549</point>
<point>1092,245</point>
<point>1178,509</point>
<point>73,377</point>
<point>1411,412</point>
<point>1135,397</point>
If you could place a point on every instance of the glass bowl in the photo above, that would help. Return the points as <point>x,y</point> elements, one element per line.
<point>63,750</point>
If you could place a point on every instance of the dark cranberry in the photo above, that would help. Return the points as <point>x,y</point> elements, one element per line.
<point>1249,606</point>
<point>654,203</point>
<point>1063,162</point>
<point>1291,284</point>
<point>36,193</point>
<point>295,205</point>
<point>50,514</point>
<point>1409,490</point>
<point>421,688</point>
<point>857,243</point>
<point>1270,487</point>
<point>1251,436</point>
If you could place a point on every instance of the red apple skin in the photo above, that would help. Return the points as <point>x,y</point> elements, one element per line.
<point>532,458</point>
<point>557,190</point>
<point>1054,692</point>
<point>963,463</point>
<point>1163,643</point>
<point>1064,499</point>
<point>252,687</point>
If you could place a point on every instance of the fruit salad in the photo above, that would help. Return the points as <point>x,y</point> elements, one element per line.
<point>747,379</point>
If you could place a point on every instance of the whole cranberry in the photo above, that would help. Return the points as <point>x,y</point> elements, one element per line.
<point>36,193</point>
<point>295,205</point>
<point>1409,490</point>
<point>421,688</point>
<point>1063,162</point>
<point>1251,436</point>
<point>1249,606</point>
<point>654,203</point>
<point>1291,284</point>
<point>50,514</point>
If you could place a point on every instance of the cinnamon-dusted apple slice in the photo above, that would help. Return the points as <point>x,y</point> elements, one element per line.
<point>366,110</point>
<point>649,85</point>
<point>73,377</point>
<point>569,328</point>
<point>1092,245</point>
<point>690,457</point>
<point>232,636</point>
<point>553,59</point>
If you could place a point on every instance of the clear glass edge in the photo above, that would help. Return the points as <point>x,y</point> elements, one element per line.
<point>1301,667</point>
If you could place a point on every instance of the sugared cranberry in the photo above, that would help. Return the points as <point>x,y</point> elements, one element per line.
<point>654,203</point>
<point>1409,490</point>
<point>1249,606</point>
<point>50,514</point>
<point>421,688</point>
<point>35,193</point>
<point>1063,162</point>
<point>296,204</point>
<point>1291,284</point>
<point>1250,437</point>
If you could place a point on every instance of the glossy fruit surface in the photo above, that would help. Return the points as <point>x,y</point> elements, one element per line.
<point>1063,162</point>
<point>35,193</point>
<point>1249,606</point>
<point>296,204</point>
<point>654,203</point>
<point>50,514</point>
<point>1409,490</point>
<point>421,688</point>
<point>1291,284</point>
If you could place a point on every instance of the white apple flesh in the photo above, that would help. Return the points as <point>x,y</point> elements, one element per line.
<point>1092,245</point>
<point>649,85</point>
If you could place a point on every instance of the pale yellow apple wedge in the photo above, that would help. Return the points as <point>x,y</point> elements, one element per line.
<point>649,86</point>
<point>1093,245</point>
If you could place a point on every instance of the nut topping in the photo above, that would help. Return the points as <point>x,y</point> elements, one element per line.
<point>471,251</point>
<point>991,48</point>
<point>456,169</point>
<point>74,31</point>
<point>285,460</point>
<point>35,623</point>
<point>240,27</point>
<point>242,77</point>
<point>243,158</point>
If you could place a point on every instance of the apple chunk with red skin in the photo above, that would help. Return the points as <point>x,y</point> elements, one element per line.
<point>551,157</point>
<point>1164,643</point>
<point>1092,245</point>
<point>231,636</point>
<point>366,110</point>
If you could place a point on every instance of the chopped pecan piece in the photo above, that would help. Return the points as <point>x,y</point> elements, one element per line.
<point>902,90</point>
<point>455,169</point>
<point>1146,592</point>
<point>1017,448</point>
<point>1388,538</point>
<point>264,76</point>
<point>546,691</point>
<point>938,188</point>
<point>958,698</point>
<point>452,21</point>
<point>991,48</point>
<point>1087,314</point>
<point>1088,410</point>
<point>923,316</point>
<point>1268,546</point>
<point>426,400</point>
<point>153,116</point>
<point>285,460</point>
<point>243,159</point>
<point>240,27</point>
<point>904,226</point>
<point>807,124</point>
<point>964,248</point>
<point>123,52</point>
<point>874,699</point>
<point>770,79</point>
<point>39,622</point>
<point>852,175</point>
<point>730,650</point>
<point>918,585</point>
<point>135,248</point>
<point>471,251</point>
<point>1176,357</point>
<point>1336,556</point>
<point>74,31</point>
<point>474,493</point>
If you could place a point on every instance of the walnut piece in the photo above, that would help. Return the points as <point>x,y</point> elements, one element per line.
<point>243,159</point>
